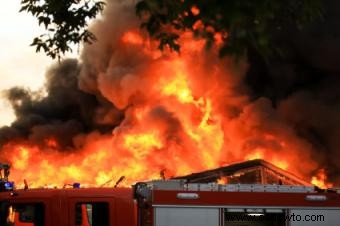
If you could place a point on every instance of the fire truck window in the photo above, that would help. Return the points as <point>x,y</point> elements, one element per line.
<point>26,215</point>
<point>254,219</point>
<point>92,214</point>
<point>3,213</point>
<point>186,216</point>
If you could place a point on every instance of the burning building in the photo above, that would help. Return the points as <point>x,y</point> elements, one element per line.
<point>249,172</point>
<point>126,108</point>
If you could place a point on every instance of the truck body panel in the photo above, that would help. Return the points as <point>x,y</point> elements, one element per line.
<point>173,203</point>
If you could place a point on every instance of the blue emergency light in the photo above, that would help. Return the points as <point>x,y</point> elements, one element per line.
<point>6,185</point>
<point>9,185</point>
<point>76,185</point>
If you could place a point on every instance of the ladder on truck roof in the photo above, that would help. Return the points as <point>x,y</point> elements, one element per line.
<point>144,189</point>
<point>181,185</point>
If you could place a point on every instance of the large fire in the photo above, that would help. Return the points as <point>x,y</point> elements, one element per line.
<point>187,119</point>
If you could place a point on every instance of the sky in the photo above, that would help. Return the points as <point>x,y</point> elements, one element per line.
<point>20,65</point>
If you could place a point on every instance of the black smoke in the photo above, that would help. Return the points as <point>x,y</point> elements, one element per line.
<point>304,85</point>
<point>63,113</point>
<point>303,88</point>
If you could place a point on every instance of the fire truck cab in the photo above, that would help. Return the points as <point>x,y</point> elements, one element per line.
<point>172,203</point>
<point>66,207</point>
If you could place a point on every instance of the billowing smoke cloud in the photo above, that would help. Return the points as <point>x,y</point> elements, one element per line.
<point>285,111</point>
<point>304,87</point>
<point>63,113</point>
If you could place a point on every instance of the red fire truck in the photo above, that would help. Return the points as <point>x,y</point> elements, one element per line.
<point>172,203</point>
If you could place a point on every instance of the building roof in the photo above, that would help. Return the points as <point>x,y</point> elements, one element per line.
<point>255,171</point>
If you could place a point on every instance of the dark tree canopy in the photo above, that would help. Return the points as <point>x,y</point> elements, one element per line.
<point>239,23</point>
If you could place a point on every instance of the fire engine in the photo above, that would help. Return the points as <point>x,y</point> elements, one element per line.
<point>170,203</point>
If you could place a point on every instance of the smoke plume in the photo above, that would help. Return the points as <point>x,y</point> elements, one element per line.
<point>182,113</point>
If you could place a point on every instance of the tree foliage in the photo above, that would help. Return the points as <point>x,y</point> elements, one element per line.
<point>238,23</point>
<point>65,22</point>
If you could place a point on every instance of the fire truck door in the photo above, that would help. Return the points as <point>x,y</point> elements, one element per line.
<point>178,216</point>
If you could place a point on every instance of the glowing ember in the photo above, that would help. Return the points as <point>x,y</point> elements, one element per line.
<point>195,11</point>
<point>52,143</point>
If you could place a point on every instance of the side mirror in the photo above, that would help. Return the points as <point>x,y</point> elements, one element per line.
<point>4,206</point>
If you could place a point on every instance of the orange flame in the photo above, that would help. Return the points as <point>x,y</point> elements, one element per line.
<point>320,180</point>
<point>132,38</point>
<point>183,115</point>
<point>222,180</point>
